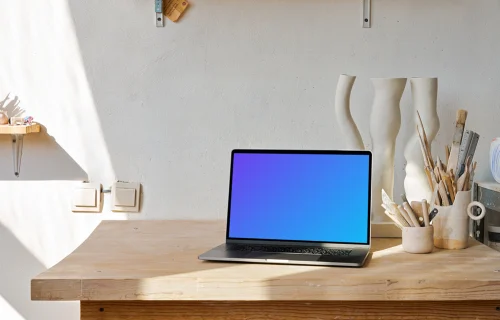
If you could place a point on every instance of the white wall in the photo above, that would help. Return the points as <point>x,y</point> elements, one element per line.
<point>122,99</point>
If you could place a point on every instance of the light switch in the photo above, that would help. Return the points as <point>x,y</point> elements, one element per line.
<point>87,198</point>
<point>126,196</point>
<point>84,197</point>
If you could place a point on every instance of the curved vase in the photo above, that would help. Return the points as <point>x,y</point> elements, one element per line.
<point>385,122</point>
<point>345,121</point>
<point>424,95</point>
<point>495,159</point>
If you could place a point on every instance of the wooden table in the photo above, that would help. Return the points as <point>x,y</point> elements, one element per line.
<point>149,270</point>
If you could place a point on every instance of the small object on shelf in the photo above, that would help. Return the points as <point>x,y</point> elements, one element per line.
<point>4,118</point>
<point>16,121</point>
<point>28,120</point>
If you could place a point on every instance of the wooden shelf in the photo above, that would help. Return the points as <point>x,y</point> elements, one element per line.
<point>19,129</point>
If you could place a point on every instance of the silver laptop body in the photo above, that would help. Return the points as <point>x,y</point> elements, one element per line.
<point>298,207</point>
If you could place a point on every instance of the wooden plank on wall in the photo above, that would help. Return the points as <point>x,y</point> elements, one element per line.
<point>290,310</point>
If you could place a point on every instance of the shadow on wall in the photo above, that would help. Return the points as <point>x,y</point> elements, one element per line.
<point>17,267</point>
<point>11,107</point>
<point>39,152</point>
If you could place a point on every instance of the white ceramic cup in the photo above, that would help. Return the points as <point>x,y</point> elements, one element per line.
<point>451,225</point>
<point>418,239</point>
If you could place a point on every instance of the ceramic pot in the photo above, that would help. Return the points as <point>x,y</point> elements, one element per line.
<point>424,97</point>
<point>4,118</point>
<point>350,132</point>
<point>385,122</point>
<point>451,225</point>
<point>495,159</point>
<point>418,239</point>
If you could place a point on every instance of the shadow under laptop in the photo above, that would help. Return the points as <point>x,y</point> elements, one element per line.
<point>326,283</point>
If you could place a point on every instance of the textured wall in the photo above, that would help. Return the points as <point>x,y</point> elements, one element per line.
<point>122,99</point>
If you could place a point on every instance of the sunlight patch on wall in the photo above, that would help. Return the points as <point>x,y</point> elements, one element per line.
<point>41,63</point>
<point>7,312</point>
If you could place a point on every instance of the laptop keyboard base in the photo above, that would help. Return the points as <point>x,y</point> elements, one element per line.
<point>288,249</point>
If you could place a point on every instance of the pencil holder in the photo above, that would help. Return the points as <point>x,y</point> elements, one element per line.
<point>418,239</point>
<point>451,225</point>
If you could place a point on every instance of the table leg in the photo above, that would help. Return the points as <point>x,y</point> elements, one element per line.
<point>289,310</point>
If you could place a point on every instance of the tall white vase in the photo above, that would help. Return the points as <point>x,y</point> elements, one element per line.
<point>345,121</point>
<point>424,95</point>
<point>385,122</point>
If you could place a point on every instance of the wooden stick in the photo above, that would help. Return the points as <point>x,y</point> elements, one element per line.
<point>435,198</point>
<point>426,142</point>
<point>447,153</point>
<point>392,216</point>
<point>457,139</point>
<point>405,215</point>
<point>425,213</point>
<point>453,182</point>
<point>442,193</point>
<point>440,165</point>
<point>429,178</point>
<point>434,177</point>
<point>416,206</point>
<point>436,173</point>
<point>449,186</point>
<point>422,149</point>
<point>461,181</point>
<point>396,222</point>
<point>427,157</point>
<point>411,214</point>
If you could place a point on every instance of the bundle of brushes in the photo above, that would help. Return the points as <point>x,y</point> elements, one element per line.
<point>415,215</point>
<point>445,179</point>
<point>456,173</point>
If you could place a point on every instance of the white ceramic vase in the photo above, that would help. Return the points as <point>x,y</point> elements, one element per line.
<point>350,132</point>
<point>424,95</point>
<point>495,159</point>
<point>385,122</point>
<point>451,225</point>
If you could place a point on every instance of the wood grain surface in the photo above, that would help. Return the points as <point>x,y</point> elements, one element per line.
<point>286,310</point>
<point>157,260</point>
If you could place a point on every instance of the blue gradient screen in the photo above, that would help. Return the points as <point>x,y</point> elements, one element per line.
<point>300,197</point>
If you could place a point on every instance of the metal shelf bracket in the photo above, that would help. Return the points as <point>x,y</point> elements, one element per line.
<point>17,152</point>
<point>159,13</point>
<point>367,13</point>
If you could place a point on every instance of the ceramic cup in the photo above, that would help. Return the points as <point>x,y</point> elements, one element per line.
<point>451,225</point>
<point>418,239</point>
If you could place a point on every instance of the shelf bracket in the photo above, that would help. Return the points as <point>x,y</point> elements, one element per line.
<point>367,13</point>
<point>17,152</point>
<point>159,13</point>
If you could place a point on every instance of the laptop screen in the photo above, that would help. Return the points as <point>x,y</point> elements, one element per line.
<point>318,196</point>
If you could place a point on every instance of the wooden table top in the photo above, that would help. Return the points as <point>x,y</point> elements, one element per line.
<point>157,260</point>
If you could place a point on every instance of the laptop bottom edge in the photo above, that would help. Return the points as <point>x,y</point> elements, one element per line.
<point>219,254</point>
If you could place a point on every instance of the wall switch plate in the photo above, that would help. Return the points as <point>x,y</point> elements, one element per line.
<point>87,197</point>
<point>126,196</point>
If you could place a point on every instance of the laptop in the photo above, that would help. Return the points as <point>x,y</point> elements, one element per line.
<point>297,207</point>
